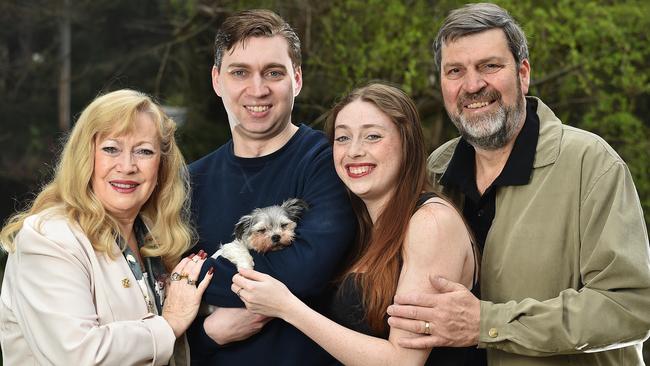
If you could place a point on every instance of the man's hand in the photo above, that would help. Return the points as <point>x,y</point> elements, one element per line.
<point>453,314</point>
<point>228,325</point>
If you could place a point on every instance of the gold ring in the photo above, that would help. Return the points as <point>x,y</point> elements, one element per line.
<point>184,275</point>
<point>238,291</point>
<point>175,277</point>
<point>191,282</point>
<point>427,328</point>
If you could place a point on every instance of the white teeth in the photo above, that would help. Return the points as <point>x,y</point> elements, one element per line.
<point>123,186</point>
<point>258,108</point>
<point>477,105</point>
<point>359,169</point>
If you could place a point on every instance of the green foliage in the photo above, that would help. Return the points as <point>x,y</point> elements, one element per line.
<point>590,65</point>
<point>392,44</point>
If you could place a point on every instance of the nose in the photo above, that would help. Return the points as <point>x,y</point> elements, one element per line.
<point>258,87</point>
<point>126,162</point>
<point>473,81</point>
<point>355,148</point>
<point>275,238</point>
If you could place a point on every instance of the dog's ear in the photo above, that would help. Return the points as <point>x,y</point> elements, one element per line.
<point>241,226</point>
<point>295,208</point>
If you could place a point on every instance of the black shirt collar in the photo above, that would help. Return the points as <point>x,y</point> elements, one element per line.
<point>518,168</point>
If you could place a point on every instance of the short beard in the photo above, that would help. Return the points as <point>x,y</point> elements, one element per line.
<point>492,131</point>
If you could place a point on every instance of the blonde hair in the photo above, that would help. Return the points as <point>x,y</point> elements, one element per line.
<point>166,212</point>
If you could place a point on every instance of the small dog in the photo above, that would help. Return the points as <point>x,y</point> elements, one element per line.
<point>265,229</point>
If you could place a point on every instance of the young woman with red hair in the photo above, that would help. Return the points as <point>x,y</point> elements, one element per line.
<point>406,235</point>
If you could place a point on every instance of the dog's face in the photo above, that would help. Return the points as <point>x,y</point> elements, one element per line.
<point>270,228</point>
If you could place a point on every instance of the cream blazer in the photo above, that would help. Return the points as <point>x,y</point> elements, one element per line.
<point>63,304</point>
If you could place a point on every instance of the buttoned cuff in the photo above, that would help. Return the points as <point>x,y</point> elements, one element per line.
<point>495,323</point>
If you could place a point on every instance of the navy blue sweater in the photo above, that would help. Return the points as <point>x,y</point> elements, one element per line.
<point>226,187</point>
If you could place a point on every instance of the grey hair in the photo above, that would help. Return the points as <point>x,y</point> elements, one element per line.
<point>476,18</point>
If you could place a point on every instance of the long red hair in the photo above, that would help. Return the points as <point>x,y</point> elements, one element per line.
<point>378,250</point>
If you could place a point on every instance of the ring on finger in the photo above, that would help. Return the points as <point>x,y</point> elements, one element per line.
<point>191,282</point>
<point>175,276</point>
<point>195,259</point>
<point>427,328</point>
<point>184,275</point>
<point>238,291</point>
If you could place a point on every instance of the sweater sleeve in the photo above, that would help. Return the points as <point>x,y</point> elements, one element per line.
<point>54,306</point>
<point>323,236</point>
<point>612,309</point>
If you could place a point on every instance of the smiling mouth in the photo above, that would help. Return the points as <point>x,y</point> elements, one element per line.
<point>477,105</point>
<point>124,187</point>
<point>358,171</point>
<point>257,108</point>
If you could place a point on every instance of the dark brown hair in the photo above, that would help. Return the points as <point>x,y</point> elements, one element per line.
<point>254,23</point>
<point>378,252</point>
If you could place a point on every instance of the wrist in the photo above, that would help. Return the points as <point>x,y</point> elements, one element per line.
<point>289,312</point>
<point>216,337</point>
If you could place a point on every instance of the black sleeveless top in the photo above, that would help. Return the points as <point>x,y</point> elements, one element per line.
<point>347,309</point>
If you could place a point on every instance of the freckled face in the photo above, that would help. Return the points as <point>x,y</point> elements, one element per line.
<point>126,168</point>
<point>258,83</point>
<point>367,151</point>
<point>483,89</point>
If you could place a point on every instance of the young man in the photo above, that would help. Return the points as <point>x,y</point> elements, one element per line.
<point>565,273</point>
<point>257,74</point>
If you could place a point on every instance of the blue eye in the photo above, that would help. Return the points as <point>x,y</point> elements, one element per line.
<point>110,150</point>
<point>146,152</point>
<point>275,74</point>
<point>238,73</point>
<point>373,137</point>
<point>341,139</point>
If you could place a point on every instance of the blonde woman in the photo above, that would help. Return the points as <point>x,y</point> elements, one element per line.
<point>86,277</point>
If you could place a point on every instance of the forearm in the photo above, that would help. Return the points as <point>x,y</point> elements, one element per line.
<point>574,322</point>
<point>346,345</point>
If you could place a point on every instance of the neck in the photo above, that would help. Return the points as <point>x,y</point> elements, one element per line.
<point>376,206</point>
<point>126,228</point>
<point>246,147</point>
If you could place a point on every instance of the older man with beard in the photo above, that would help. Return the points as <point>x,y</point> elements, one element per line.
<point>565,273</point>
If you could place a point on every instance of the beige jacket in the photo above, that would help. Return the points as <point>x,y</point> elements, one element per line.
<point>62,304</point>
<point>565,273</point>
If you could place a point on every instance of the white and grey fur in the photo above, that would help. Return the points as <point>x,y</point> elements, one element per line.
<point>265,229</point>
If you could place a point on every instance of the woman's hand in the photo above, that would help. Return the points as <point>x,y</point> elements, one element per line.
<point>183,297</point>
<point>262,294</point>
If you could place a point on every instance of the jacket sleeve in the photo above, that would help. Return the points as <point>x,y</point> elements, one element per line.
<point>323,236</point>
<point>612,308</point>
<point>54,306</point>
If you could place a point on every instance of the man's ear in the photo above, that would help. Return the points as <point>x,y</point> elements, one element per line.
<point>524,75</point>
<point>215,80</point>
<point>297,79</point>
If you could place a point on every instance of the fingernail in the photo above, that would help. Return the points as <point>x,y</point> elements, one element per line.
<point>204,255</point>
<point>211,270</point>
<point>191,256</point>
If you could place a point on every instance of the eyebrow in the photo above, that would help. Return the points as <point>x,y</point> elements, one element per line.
<point>242,65</point>
<point>479,62</point>
<point>364,126</point>
<point>138,143</point>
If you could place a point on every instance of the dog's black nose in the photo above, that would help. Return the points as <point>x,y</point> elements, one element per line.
<point>275,238</point>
